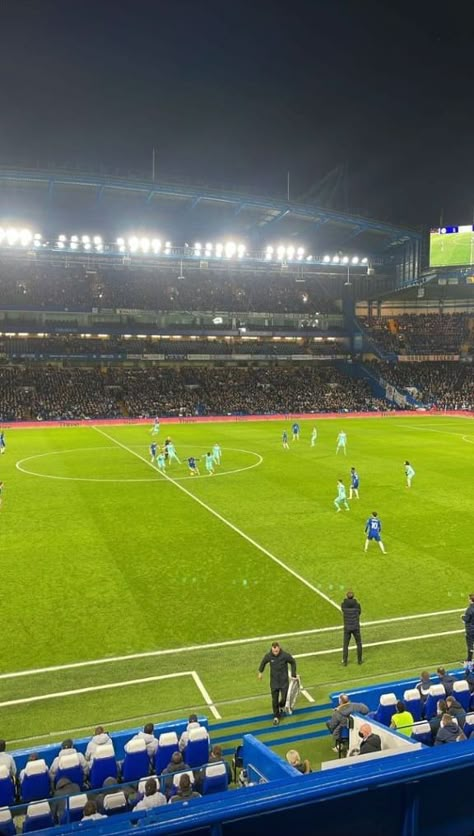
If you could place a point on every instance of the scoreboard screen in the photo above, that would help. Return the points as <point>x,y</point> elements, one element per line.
<point>452,246</point>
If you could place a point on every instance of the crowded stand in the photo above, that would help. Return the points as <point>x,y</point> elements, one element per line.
<point>447,385</point>
<point>50,393</point>
<point>76,288</point>
<point>419,333</point>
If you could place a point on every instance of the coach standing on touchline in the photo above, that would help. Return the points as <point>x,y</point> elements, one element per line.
<point>351,611</point>
<point>468,619</point>
<point>278,659</point>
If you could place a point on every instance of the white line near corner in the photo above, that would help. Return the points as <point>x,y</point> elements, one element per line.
<point>379,644</point>
<point>205,695</point>
<point>226,522</point>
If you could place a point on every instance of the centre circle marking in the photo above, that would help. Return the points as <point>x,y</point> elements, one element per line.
<point>20,465</point>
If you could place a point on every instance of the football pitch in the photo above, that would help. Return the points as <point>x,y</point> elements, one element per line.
<point>452,249</point>
<point>128,595</point>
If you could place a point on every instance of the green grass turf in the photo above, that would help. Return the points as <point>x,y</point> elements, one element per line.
<point>131,564</point>
<point>453,249</point>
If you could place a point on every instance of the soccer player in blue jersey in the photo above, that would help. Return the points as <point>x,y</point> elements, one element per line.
<point>161,462</point>
<point>409,473</point>
<point>153,448</point>
<point>209,462</point>
<point>373,530</point>
<point>341,442</point>
<point>284,440</point>
<point>192,464</point>
<point>354,488</point>
<point>295,429</point>
<point>341,498</point>
<point>3,443</point>
<point>216,453</point>
<point>314,436</point>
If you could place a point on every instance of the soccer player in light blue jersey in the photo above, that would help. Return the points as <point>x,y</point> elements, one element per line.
<point>172,453</point>
<point>373,531</point>
<point>153,448</point>
<point>341,442</point>
<point>161,462</point>
<point>314,436</point>
<point>341,498</point>
<point>209,462</point>
<point>3,443</point>
<point>409,473</point>
<point>354,488</point>
<point>216,453</point>
<point>156,426</point>
<point>295,429</point>
<point>284,440</point>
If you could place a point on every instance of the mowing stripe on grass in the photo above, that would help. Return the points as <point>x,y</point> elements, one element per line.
<point>212,645</point>
<point>224,520</point>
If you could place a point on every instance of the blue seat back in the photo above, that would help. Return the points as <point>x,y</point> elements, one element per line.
<point>7,826</point>
<point>73,773</point>
<point>414,703</point>
<point>436,694</point>
<point>462,693</point>
<point>469,725</point>
<point>38,822</point>
<point>135,766</point>
<point>386,709</point>
<point>196,752</point>
<point>422,733</point>
<point>165,751</point>
<point>215,779</point>
<point>101,769</point>
<point>34,787</point>
<point>7,792</point>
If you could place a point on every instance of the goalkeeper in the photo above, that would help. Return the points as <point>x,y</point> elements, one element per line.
<point>278,659</point>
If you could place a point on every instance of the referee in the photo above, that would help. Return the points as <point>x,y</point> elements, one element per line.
<point>351,611</point>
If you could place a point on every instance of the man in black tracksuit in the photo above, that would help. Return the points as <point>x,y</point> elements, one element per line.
<point>468,619</point>
<point>351,611</point>
<point>278,659</point>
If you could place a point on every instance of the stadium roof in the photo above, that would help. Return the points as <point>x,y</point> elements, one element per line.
<point>181,210</point>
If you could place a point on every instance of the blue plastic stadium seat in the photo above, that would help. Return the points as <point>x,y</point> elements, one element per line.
<point>35,783</point>
<point>7,787</point>
<point>196,752</point>
<point>469,725</point>
<point>115,802</point>
<point>76,806</point>
<point>70,767</point>
<point>422,733</point>
<point>176,779</point>
<point>462,693</point>
<point>436,693</point>
<point>215,778</point>
<point>167,745</point>
<point>38,816</point>
<point>413,703</point>
<point>136,763</point>
<point>103,765</point>
<point>386,709</point>
<point>7,826</point>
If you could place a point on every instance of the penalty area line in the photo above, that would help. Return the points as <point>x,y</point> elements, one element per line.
<point>227,522</point>
<point>205,695</point>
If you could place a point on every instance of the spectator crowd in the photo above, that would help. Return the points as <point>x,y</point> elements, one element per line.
<point>447,385</point>
<point>419,333</point>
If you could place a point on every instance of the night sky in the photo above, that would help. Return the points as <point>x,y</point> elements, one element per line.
<point>234,92</point>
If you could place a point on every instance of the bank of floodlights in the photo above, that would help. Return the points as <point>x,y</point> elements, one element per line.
<point>285,253</point>
<point>13,237</point>
<point>345,260</point>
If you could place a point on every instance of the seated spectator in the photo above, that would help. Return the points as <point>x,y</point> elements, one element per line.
<point>193,723</point>
<point>469,675</point>
<point>148,736</point>
<point>90,813</point>
<point>370,742</point>
<point>449,731</point>
<point>64,787</point>
<point>402,720</point>
<point>424,685</point>
<point>217,756</point>
<point>185,790</point>
<point>455,709</point>
<point>67,748</point>
<point>295,761</point>
<point>447,680</point>
<point>6,759</point>
<point>340,716</point>
<point>33,756</point>
<point>441,708</point>
<point>98,739</point>
<point>152,798</point>
<point>176,764</point>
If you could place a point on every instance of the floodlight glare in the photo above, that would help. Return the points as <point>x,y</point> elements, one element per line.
<point>2,233</point>
<point>290,252</point>
<point>230,249</point>
<point>145,244</point>
<point>37,236</point>
<point>309,258</point>
<point>241,250</point>
<point>25,237</point>
<point>62,238</point>
<point>120,242</point>
<point>280,253</point>
<point>12,236</point>
<point>269,250</point>
<point>133,243</point>
<point>327,259</point>
<point>208,246</point>
<point>73,245</point>
<point>97,239</point>
<point>121,248</point>
<point>197,245</point>
<point>85,239</point>
<point>219,250</point>
<point>300,251</point>
<point>355,259</point>
<point>365,260</point>
<point>87,246</point>
<point>336,259</point>
<point>345,260</point>
<point>61,245</point>
<point>74,239</point>
<point>156,245</point>
<point>37,242</point>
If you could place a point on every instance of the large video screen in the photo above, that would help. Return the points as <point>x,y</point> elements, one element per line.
<point>451,246</point>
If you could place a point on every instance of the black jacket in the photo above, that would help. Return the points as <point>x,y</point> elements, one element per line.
<point>468,619</point>
<point>351,611</point>
<point>372,743</point>
<point>278,668</point>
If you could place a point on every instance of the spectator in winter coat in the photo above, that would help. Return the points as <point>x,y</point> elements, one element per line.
<point>455,709</point>
<point>6,759</point>
<point>148,736</point>
<point>424,685</point>
<point>341,714</point>
<point>370,742</point>
<point>468,619</point>
<point>351,611</point>
<point>449,731</point>
<point>193,723</point>
<point>67,748</point>
<point>278,659</point>
<point>152,798</point>
<point>446,680</point>
<point>185,791</point>
<point>100,737</point>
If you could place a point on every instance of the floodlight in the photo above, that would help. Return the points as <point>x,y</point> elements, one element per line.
<point>156,245</point>
<point>85,239</point>
<point>2,234</point>
<point>345,260</point>
<point>145,244</point>
<point>290,252</point>
<point>74,245</point>
<point>87,246</point>
<point>208,246</point>
<point>197,246</point>
<point>269,250</point>
<point>37,236</point>
<point>74,239</point>
<point>97,239</point>
<point>355,259</point>
<point>230,249</point>
<point>37,242</point>
<point>25,237</point>
<point>167,247</point>
<point>219,250</point>
<point>309,258</point>
<point>300,251</point>
<point>327,259</point>
<point>120,242</point>
<point>61,245</point>
<point>241,250</point>
<point>365,260</point>
<point>280,253</point>
<point>62,238</point>
<point>336,259</point>
<point>99,247</point>
<point>121,248</point>
<point>133,243</point>
<point>12,236</point>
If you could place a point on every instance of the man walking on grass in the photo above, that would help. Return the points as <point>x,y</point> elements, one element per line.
<point>278,659</point>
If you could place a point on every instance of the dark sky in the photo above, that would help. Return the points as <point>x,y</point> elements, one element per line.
<point>240,91</point>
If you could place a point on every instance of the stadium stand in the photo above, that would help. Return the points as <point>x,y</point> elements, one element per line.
<point>447,385</point>
<point>419,333</point>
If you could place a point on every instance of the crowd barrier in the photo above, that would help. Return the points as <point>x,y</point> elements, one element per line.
<point>225,419</point>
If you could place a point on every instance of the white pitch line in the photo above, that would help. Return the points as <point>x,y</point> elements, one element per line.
<point>379,644</point>
<point>227,523</point>
<point>205,694</point>
<point>91,688</point>
<point>147,654</point>
<point>307,695</point>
